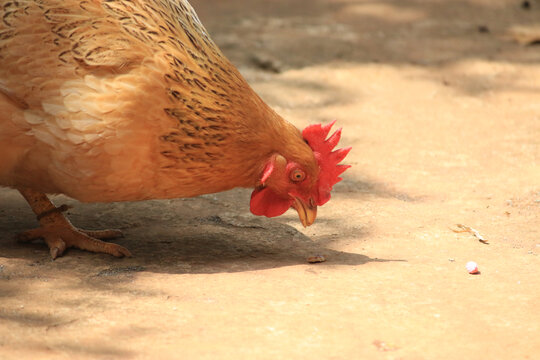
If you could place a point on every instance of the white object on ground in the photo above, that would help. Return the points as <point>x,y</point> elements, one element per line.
<point>472,267</point>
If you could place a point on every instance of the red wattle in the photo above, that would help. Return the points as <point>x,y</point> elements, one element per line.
<point>265,202</point>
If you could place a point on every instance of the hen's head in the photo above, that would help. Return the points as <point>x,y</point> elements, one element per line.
<point>301,184</point>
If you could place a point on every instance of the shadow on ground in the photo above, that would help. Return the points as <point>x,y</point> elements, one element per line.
<point>209,234</point>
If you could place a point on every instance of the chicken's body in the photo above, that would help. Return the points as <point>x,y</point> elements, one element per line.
<point>123,100</point>
<point>110,100</point>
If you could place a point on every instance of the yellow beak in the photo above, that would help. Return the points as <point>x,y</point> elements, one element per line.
<point>306,212</point>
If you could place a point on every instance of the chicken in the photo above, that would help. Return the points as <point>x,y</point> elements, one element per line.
<point>124,100</point>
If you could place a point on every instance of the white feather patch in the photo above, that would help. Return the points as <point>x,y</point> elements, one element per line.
<point>54,109</point>
<point>33,118</point>
<point>75,138</point>
<point>44,136</point>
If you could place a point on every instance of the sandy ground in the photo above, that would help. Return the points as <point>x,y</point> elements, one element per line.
<point>439,100</point>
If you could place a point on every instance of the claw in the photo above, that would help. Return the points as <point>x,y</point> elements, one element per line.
<point>54,252</point>
<point>120,251</point>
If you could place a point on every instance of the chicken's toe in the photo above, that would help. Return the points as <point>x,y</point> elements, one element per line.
<point>61,238</point>
<point>81,240</point>
<point>30,235</point>
<point>104,234</point>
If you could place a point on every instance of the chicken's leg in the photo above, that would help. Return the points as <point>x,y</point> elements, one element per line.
<point>60,234</point>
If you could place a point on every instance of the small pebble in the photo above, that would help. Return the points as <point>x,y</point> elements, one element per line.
<point>316,259</point>
<point>483,29</point>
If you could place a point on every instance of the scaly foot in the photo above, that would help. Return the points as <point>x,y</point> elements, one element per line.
<point>60,234</point>
<point>60,238</point>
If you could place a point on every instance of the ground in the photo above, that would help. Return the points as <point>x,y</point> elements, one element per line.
<point>439,100</point>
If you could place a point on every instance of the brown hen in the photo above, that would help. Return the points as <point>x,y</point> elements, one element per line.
<point>109,100</point>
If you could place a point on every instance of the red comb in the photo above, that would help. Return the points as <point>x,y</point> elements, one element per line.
<point>328,160</point>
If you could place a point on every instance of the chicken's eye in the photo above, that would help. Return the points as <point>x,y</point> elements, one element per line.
<point>298,175</point>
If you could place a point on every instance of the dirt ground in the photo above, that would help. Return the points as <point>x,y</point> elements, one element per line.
<point>439,100</point>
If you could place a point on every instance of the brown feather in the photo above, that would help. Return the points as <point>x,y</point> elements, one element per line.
<point>128,100</point>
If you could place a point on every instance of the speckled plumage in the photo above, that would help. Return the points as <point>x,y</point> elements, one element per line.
<point>109,100</point>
